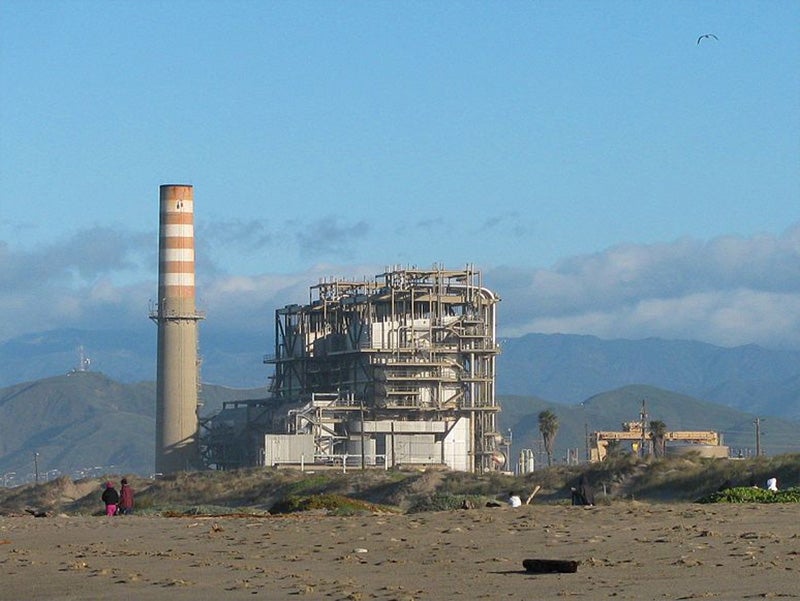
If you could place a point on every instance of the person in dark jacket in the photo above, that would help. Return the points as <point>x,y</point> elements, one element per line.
<point>125,498</point>
<point>110,498</point>
<point>583,494</point>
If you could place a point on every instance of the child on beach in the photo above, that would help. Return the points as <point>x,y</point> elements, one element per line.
<point>110,497</point>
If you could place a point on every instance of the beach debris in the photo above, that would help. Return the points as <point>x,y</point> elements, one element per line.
<point>359,550</point>
<point>173,582</point>
<point>550,566</point>
<point>215,527</point>
<point>37,513</point>
<point>533,494</point>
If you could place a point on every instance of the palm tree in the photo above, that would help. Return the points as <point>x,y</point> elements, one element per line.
<point>548,426</point>
<point>658,431</point>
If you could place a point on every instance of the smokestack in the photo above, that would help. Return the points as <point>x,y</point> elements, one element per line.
<point>177,379</point>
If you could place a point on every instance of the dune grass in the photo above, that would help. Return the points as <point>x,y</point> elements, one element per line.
<point>257,491</point>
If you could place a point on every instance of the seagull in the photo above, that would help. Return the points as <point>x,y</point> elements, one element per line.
<point>707,35</point>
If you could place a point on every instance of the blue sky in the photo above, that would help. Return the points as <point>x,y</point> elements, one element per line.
<point>608,174</point>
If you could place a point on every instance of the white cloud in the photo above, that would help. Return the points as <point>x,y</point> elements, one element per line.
<point>726,319</point>
<point>328,236</point>
<point>729,291</point>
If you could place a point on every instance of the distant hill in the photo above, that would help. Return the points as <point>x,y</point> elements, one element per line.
<point>130,355</point>
<point>607,411</point>
<point>88,420</point>
<point>562,368</point>
<point>569,369</point>
<point>84,423</point>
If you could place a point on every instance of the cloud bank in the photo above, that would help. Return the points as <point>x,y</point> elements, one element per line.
<point>729,290</point>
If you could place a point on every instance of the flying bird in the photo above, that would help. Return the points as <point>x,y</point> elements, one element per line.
<point>707,35</point>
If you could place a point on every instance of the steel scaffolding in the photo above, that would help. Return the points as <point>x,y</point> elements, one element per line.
<point>401,367</point>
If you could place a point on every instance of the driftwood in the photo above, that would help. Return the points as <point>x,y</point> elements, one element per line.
<point>550,566</point>
<point>533,494</point>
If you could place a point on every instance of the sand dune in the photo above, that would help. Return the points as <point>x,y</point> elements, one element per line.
<point>626,551</point>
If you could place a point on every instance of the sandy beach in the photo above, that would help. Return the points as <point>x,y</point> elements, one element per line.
<point>626,551</point>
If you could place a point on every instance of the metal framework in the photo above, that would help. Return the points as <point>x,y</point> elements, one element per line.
<point>399,369</point>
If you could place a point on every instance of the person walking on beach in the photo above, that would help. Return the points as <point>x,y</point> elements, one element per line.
<point>111,498</point>
<point>125,498</point>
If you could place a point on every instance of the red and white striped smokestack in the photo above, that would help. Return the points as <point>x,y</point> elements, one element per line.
<point>177,378</point>
<point>176,245</point>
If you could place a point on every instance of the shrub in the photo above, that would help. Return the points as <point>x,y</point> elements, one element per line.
<point>446,502</point>
<point>331,503</point>
<point>751,494</point>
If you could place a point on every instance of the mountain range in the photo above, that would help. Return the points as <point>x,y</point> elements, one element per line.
<point>570,369</point>
<point>560,368</point>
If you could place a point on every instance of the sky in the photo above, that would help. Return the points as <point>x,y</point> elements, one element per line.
<point>608,171</point>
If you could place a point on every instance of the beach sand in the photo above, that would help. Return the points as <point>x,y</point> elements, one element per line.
<point>626,550</point>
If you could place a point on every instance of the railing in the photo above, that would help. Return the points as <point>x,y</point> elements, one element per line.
<point>343,461</point>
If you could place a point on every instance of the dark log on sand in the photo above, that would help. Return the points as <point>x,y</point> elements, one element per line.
<point>550,566</point>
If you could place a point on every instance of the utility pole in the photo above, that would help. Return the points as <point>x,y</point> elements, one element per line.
<point>363,440</point>
<point>509,462</point>
<point>757,423</point>
<point>644,427</point>
<point>36,467</point>
<point>586,440</point>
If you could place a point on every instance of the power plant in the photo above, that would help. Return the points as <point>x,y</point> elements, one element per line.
<point>177,376</point>
<point>394,371</point>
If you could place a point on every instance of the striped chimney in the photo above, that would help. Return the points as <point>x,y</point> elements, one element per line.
<point>177,378</point>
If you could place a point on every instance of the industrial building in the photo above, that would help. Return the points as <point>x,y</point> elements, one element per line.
<point>394,371</point>
<point>706,443</point>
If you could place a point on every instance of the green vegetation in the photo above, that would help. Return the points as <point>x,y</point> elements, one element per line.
<point>751,494</point>
<point>658,431</point>
<point>448,502</point>
<point>203,510</point>
<point>548,426</point>
<point>331,504</point>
